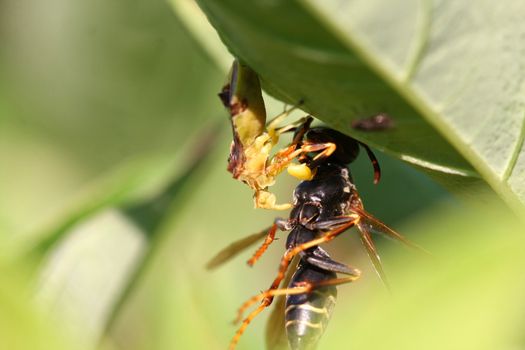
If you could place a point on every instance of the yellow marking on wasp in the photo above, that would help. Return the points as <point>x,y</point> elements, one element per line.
<point>308,307</point>
<point>303,322</point>
<point>328,298</point>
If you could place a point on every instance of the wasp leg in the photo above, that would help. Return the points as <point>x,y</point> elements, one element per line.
<point>306,287</point>
<point>321,259</point>
<point>299,288</point>
<point>272,124</point>
<point>285,156</point>
<point>292,252</point>
<point>303,171</point>
<point>282,158</point>
<point>270,237</point>
<point>300,127</point>
<point>279,223</point>
<point>235,248</point>
<point>267,297</point>
<point>331,223</point>
<point>364,234</point>
<point>326,150</point>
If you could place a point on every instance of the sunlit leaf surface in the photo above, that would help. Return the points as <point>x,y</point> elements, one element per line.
<point>438,68</point>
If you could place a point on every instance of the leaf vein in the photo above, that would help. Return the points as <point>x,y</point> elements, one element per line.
<point>421,41</point>
<point>515,154</point>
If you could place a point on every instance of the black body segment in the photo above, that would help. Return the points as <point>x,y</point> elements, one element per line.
<point>307,315</point>
<point>316,203</point>
<point>324,207</point>
<point>329,192</point>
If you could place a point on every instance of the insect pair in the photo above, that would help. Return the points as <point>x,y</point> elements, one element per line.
<point>250,159</point>
<point>325,205</point>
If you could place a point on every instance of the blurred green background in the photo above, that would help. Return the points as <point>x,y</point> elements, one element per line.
<point>104,104</point>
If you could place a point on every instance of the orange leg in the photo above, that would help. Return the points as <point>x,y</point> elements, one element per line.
<point>270,237</point>
<point>285,156</point>
<point>267,298</point>
<point>282,159</point>
<point>336,281</point>
<point>327,149</point>
<point>268,295</point>
<point>289,255</point>
<point>245,323</point>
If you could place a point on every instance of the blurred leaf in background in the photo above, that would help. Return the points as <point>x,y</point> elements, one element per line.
<point>467,296</point>
<point>22,325</point>
<point>88,87</point>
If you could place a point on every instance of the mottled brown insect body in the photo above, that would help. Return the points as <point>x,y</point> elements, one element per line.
<point>378,122</point>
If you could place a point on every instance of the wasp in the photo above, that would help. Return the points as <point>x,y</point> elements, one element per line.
<point>251,160</point>
<point>324,207</point>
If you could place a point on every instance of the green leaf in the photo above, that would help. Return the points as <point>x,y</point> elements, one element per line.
<point>189,13</point>
<point>150,215</point>
<point>450,82</point>
<point>127,183</point>
<point>468,295</point>
<point>135,89</point>
<point>123,240</point>
<point>22,325</point>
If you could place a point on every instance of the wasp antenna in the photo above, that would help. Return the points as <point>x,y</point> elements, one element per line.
<point>375,163</point>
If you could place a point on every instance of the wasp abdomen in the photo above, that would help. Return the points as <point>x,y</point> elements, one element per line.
<point>307,314</point>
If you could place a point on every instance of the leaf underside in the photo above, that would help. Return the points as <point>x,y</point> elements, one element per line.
<point>452,83</point>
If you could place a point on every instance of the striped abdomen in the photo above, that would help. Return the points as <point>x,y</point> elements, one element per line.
<point>307,314</point>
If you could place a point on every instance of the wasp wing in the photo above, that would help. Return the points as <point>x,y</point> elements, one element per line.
<point>366,238</point>
<point>373,224</point>
<point>235,248</point>
<point>367,224</point>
